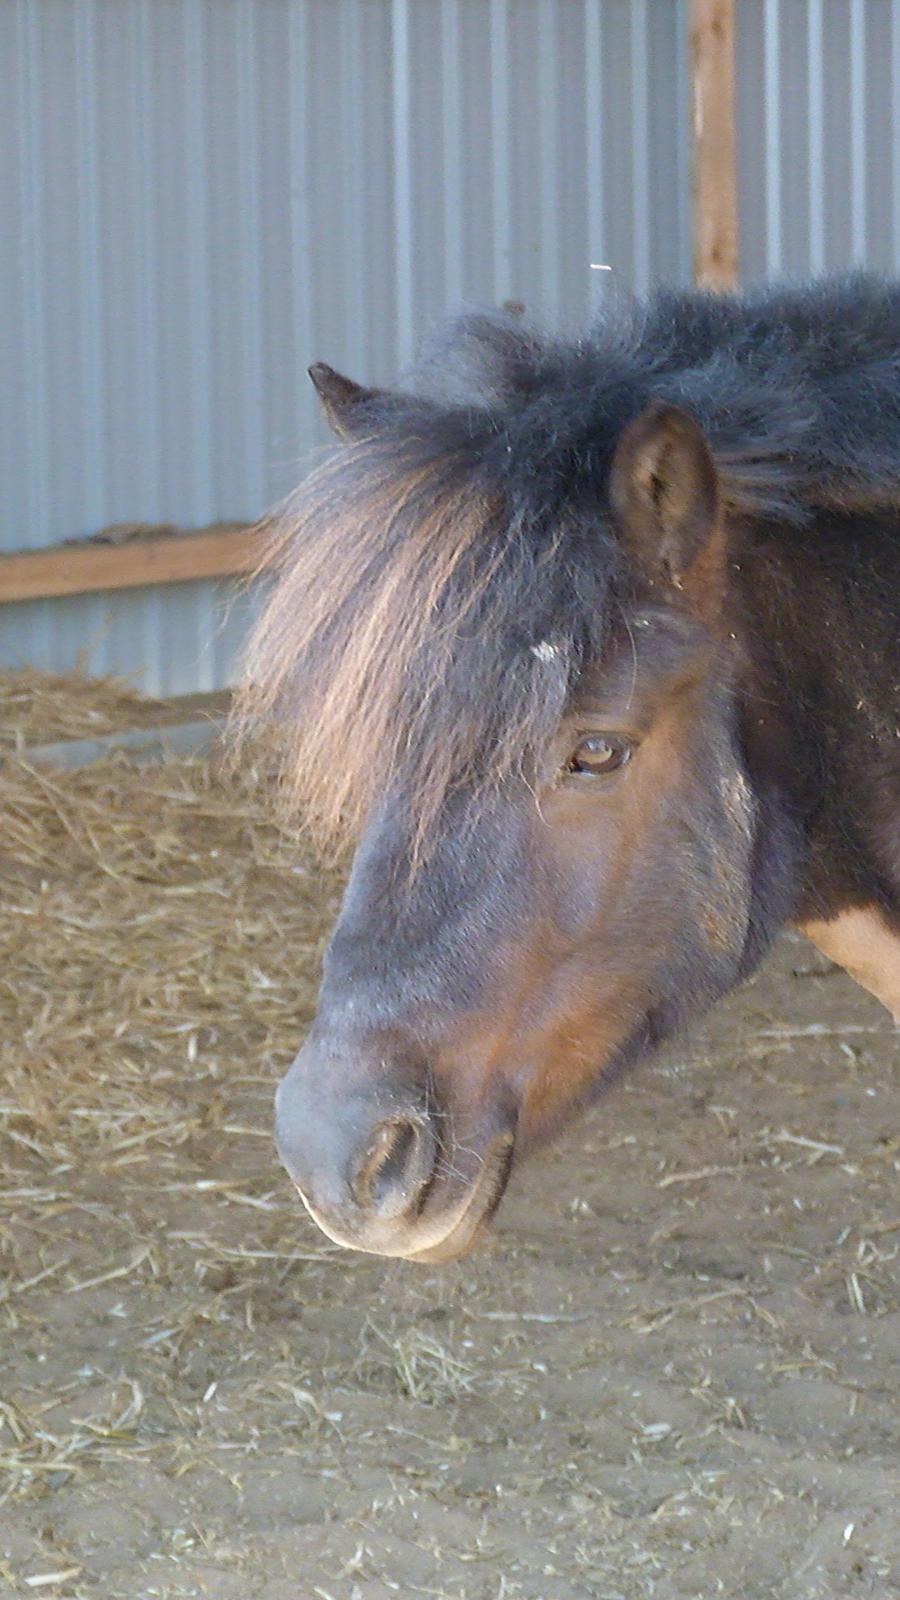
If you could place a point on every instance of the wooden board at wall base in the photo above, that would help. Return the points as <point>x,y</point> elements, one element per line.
<point>225,551</point>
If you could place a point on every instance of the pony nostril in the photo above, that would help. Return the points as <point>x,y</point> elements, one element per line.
<point>394,1161</point>
<point>395,1168</point>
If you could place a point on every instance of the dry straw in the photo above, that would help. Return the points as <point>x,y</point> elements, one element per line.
<point>159,940</point>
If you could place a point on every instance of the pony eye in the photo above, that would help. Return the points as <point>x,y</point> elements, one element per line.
<point>599,754</point>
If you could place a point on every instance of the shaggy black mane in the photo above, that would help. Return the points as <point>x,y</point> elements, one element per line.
<point>423,569</point>
<point>797,388</point>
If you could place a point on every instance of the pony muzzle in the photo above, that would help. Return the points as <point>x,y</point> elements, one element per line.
<point>377,1172</point>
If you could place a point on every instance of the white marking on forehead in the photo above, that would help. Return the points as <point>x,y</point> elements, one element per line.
<point>545,651</point>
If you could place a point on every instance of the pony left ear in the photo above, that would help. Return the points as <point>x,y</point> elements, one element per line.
<point>344,402</point>
<point>664,492</point>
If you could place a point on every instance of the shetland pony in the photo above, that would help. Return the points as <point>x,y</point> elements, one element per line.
<point>591,652</point>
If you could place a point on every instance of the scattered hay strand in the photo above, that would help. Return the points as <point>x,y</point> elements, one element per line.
<point>419,1365</point>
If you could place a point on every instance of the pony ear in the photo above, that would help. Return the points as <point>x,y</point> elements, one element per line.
<point>664,492</point>
<point>344,402</point>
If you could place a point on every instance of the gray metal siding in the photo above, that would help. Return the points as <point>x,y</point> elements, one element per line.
<point>203,194</point>
<point>198,197</point>
<point>818,135</point>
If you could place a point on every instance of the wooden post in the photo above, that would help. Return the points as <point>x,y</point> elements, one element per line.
<point>714,173</point>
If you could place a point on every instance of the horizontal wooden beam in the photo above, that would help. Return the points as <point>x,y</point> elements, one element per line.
<point>92,567</point>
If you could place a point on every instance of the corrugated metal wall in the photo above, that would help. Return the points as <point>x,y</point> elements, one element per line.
<point>818,135</point>
<point>198,197</point>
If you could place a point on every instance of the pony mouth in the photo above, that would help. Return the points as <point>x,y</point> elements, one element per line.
<point>435,1239</point>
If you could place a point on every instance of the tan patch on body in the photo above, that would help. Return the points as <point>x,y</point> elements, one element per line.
<point>862,942</point>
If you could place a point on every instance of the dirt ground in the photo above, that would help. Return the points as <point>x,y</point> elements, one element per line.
<point>671,1372</point>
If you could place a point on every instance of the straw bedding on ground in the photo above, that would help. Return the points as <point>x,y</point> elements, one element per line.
<point>672,1371</point>
<point>38,707</point>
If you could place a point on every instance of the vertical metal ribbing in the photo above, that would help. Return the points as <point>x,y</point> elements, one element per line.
<point>500,151</point>
<point>148,376</point>
<point>37,467</point>
<point>451,153</point>
<point>403,198</point>
<point>300,266</point>
<point>196,226</point>
<point>858,185</point>
<point>548,172</point>
<point>895,129</point>
<point>683,141</point>
<point>640,146</point>
<point>251,295</point>
<point>90,267</point>
<point>593,110</point>
<point>40,645</point>
<point>252,437</point>
<point>772,114</point>
<point>92,420</point>
<point>816,115</point>
<point>354,249</point>
<point>147,466</point>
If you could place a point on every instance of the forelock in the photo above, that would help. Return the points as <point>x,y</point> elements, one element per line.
<point>430,613</point>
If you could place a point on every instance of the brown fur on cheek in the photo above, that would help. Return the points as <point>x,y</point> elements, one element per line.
<point>539,1054</point>
<point>620,880</point>
<point>614,871</point>
<point>569,1009</point>
<point>569,1063</point>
